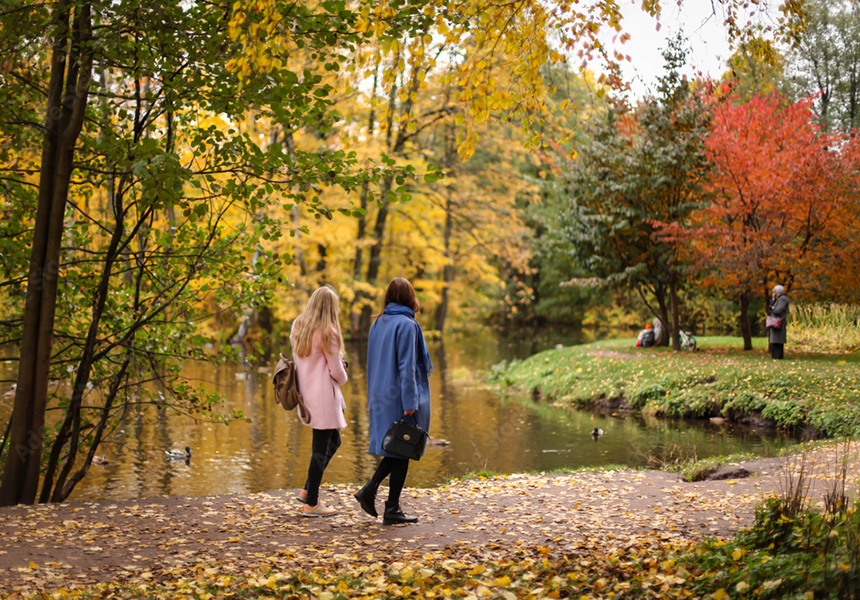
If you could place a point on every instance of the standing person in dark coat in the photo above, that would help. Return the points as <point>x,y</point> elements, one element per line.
<point>778,309</point>
<point>398,366</point>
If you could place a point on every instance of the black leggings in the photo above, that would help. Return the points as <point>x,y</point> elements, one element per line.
<point>397,468</point>
<point>325,444</point>
<point>777,351</point>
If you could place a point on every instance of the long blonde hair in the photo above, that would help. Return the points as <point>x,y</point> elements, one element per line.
<point>320,315</point>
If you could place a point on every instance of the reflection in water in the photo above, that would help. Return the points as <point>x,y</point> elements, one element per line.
<point>271,450</point>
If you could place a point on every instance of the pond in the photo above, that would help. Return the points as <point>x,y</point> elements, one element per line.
<point>483,431</point>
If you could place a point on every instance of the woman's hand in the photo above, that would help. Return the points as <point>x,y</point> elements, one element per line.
<point>408,413</point>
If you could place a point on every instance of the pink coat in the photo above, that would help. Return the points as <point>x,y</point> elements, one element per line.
<point>320,376</point>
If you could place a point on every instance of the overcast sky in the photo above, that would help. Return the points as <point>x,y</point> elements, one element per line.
<point>706,35</point>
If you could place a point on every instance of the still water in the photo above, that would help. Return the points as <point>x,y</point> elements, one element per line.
<point>482,429</point>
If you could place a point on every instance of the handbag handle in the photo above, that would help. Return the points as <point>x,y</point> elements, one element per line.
<point>414,417</point>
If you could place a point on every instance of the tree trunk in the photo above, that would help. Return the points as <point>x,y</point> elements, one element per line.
<point>67,97</point>
<point>375,256</point>
<point>746,332</point>
<point>253,313</point>
<point>662,313</point>
<point>361,296</point>
<point>64,488</point>
<point>448,270</point>
<point>238,338</point>
<point>673,301</point>
<point>290,143</point>
<point>321,263</point>
<point>71,428</point>
<point>664,319</point>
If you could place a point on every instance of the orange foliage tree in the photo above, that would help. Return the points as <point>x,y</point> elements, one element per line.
<point>784,205</point>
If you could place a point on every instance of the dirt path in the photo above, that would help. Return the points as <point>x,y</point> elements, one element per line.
<point>70,545</point>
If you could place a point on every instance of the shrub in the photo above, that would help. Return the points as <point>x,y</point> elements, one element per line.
<point>808,554</point>
<point>785,413</point>
<point>792,551</point>
<point>745,402</point>
<point>650,393</point>
<point>500,373</point>
<point>696,402</point>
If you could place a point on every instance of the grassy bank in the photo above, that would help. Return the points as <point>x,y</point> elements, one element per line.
<point>818,393</point>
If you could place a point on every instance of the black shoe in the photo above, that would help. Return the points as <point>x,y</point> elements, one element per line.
<point>366,497</point>
<point>393,515</point>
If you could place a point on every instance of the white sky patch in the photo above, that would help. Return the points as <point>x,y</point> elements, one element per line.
<point>705,34</point>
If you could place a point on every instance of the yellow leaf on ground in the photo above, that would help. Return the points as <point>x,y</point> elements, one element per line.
<point>772,584</point>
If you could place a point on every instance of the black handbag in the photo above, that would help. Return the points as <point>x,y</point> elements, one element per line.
<point>405,440</point>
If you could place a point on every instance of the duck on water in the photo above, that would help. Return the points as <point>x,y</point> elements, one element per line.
<point>175,454</point>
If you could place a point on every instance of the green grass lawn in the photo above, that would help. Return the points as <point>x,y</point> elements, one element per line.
<point>719,379</point>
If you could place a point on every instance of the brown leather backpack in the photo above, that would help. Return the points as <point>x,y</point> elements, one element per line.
<point>287,394</point>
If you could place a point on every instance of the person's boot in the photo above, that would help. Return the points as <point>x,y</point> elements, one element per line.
<point>366,497</point>
<point>393,515</point>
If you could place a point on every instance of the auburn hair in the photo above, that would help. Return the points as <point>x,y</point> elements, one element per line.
<point>320,316</point>
<point>400,291</point>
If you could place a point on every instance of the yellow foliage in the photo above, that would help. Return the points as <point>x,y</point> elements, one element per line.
<point>398,96</point>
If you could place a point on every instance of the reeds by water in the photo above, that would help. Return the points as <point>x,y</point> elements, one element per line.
<point>831,328</point>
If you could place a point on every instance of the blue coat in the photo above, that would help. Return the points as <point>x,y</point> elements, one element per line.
<point>398,366</point>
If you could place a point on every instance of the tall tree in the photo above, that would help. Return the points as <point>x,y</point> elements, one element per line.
<point>756,68</point>
<point>151,201</point>
<point>784,199</point>
<point>640,173</point>
<point>826,60</point>
<point>70,75</point>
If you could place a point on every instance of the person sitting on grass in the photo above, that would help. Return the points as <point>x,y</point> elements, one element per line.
<point>645,339</point>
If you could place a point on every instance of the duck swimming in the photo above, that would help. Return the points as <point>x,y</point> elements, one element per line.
<point>596,433</point>
<point>437,441</point>
<point>175,454</point>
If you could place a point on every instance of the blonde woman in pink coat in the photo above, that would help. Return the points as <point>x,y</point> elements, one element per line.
<point>318,352</point>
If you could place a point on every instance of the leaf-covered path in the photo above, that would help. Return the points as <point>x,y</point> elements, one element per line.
<point>44,548</point>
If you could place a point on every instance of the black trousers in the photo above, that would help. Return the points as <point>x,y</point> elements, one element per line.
<point>397,468</point>
<point>325,444</point>
<point>776,351</point>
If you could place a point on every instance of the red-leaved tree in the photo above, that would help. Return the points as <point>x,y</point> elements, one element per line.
<point>784,205</point>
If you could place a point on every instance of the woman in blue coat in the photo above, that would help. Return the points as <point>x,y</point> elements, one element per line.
<point>398,366</point>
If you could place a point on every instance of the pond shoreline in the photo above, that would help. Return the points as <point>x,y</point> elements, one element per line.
<point>752,419</point>
<point>812,397</point>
